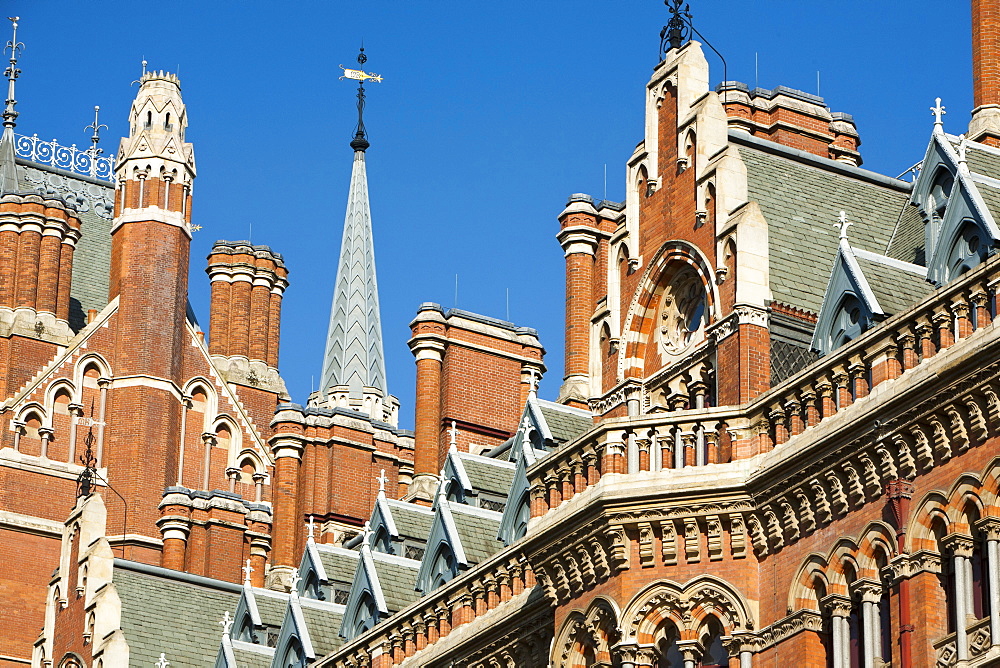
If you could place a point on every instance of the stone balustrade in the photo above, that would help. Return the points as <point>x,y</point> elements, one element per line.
<point>701,436</point>
<point>469,596</point>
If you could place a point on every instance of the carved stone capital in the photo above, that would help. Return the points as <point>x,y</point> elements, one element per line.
<point>836,605</point>
<point>990,527</point>
<point>959,545</point>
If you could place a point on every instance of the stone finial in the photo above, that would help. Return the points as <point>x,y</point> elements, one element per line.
<point>382,479</point>
<point>453,447</point>
<point>226,623</point>
<point>247,570</point>
<point>367,533</point>
<point>938,110</point>
<point>293,583</point>
<point>312,528</point>
<point>843,224</point>
<point>963,150</point>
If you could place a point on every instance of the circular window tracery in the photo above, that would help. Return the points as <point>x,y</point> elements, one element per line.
<point>683,312</point>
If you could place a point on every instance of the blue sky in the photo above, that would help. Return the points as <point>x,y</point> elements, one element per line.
<point>490,115</point>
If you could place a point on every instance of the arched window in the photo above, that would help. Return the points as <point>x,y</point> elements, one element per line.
<point>382,541</point>
<point>683,312</point>
<point>710,204</point>
<point>850,321</point>
<point>715,655</point>
<point>968,250</point>
<point>445,567</point>
<point>149,119</point>
<point>940,192</point>
<point>293,656</point>
<point>522,517</point>
<point>669,655</point>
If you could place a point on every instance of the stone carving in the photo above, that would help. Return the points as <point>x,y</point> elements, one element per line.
<point>81,195</point>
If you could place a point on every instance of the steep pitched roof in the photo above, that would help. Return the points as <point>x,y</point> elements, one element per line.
<point>477,529</point>
<point>173,613</point>
<point>412,521</point>
<point>800,199</point>
<point>354,354</point>
<point>564,423</point>
<point>896,286</point>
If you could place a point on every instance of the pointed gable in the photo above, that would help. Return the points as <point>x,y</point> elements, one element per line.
<point>366,604</point>
<point>864,288</point>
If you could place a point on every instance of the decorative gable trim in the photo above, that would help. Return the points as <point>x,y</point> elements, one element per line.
<point>846,281</point>
<point>365,584</point>
<point>443,537</point>
<point>965,206</point>
<point>518,500</point>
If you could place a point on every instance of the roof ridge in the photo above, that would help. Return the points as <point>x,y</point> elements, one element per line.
<point>820,162</point>
<point>890,261</point>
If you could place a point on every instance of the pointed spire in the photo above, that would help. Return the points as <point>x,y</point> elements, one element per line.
<point>354,356</point>
<point>8,169</point>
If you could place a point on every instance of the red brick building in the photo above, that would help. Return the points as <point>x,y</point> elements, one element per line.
<point>775,442</point>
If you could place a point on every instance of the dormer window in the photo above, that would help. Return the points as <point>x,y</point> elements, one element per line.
<point>851,320</point>
<point>967,251</point>
<point>940,193</point>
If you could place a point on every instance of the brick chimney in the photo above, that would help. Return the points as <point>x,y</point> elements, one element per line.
<point>793,118</point>
<point>985,124</point>
<point>38,236</point>
<point>248,283</point>
<point>474,374</point>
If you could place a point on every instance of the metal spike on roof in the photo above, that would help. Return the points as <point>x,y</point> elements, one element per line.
<point>354,355</point>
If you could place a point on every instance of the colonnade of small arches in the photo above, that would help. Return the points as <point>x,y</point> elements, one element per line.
<point>666,625</point>
<point>72,414</point>
<point>952,554</point>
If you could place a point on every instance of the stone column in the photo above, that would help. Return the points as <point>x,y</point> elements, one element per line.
<point>692,652</point>
<point>75,412</point>
<point>208,439</point>
<point>990,527</point>
<point>870,595</point>
<point>839,609</point>
<point>960,547</point>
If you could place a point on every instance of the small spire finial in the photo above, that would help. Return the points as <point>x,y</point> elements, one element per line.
<point>382,479</point>
<point>247,570</point>
<point>938,111</point>
<point>367,534</point>
<point>93,151</point>
<point>360,141</point>
<point>843,224</point>
<point>162,663</point>
<point>453,446</point>
<point>533,383</point>
<point>226,623</point>
<point>311,528</point>
<point>12,73</point>
<point>296,579</point>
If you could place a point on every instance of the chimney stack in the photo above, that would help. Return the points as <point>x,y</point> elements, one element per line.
<point>985,125</point>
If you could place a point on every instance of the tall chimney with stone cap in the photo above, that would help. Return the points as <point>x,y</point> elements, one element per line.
<point>985,125</point>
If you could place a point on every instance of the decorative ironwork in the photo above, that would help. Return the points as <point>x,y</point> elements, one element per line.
<point>678,30</point>
<point>85,481</point>
<point>70,158</point>
<point>360,141</point>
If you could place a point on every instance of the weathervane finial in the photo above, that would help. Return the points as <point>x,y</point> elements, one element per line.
<point>12,73</point>
<point>360,141</point>
<point>677,31</point>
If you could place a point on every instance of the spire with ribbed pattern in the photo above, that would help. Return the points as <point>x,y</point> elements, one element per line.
<point>354,343</point>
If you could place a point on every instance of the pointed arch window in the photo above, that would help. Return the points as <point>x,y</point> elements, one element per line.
<point>445,567</point>
<point>294,656</point>
<point>940,192</point>
<point>715,655</point>
<point>968,250</point>
<point>670,656</point>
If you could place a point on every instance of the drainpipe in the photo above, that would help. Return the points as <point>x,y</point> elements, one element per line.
<point>898,495</point>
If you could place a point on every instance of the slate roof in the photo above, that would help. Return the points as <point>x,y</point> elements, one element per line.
<point>92,257</point>
<point>412,521</point>
<point>896,289</point>
<point>324,626</point>
<point>991,197</point>
<point>801,203</point>
<point>339,564</point>
<point>398,581</point>
<point>270,606</point>
<point>565,423</point>
<point>907,242</point>
<point>477,531</point>
<point>494,476</point>
<point>981,160</point>
<point>170,615</point>
<point>246,658</point>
